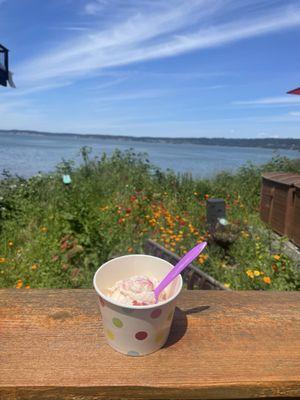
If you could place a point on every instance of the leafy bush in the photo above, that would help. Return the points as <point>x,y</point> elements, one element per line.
<point>56,235</point>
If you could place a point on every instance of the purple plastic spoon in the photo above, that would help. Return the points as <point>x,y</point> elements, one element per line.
<point>183,263</point>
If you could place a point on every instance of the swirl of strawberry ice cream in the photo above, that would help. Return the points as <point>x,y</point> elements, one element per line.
<point>135,291</point>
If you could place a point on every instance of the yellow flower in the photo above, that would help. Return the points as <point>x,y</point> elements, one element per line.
<point>2,260</point>
<point>227,285</point>
<point>277,257</point>
<point>256,273</point>
<point>267,280</point>
<point>44,229</point>
<point>10,243</point>
<point>19,284</point>
<point>27,287</point>
<point>250,273</point>
<point>33,267</point>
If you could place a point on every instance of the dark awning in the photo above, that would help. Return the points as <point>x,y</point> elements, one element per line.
<point>295,91</point>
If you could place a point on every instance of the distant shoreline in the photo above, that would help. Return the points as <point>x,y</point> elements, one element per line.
<point>269,143</point>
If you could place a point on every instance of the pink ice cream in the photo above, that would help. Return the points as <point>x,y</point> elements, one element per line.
<point>135,291</point>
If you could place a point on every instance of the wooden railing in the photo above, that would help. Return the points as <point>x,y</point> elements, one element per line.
<point>223,345</point>
<point>192,275</point>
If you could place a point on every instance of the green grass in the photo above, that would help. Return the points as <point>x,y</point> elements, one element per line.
<point>52,235</point>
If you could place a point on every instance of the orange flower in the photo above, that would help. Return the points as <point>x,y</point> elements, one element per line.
<point>10,243</point>
<point>19,284</point>
<point>2,260</point>
<point>206,196</point>
<point>33,267</point>
<point>202,258</point>
<point>267,280</point>
<point>276,257</point>
<point>27,287</point>
<point>130,249</point>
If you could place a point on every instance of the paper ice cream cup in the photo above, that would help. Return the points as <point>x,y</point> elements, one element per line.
<point>136,330</point>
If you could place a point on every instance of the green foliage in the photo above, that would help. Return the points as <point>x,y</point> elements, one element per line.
<point>56,235</point>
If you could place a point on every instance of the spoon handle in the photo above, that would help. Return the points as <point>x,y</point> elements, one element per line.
<point>183,263</point>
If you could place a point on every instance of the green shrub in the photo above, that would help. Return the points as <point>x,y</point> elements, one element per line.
<point>56,235</point>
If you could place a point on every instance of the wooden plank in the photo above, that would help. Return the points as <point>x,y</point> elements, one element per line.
<point>193,276</point>
<point>223,345</point>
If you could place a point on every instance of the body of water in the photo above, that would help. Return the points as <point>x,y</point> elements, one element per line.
<point>26,154</point>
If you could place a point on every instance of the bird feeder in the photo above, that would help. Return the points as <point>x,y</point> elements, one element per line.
<point>4,72</point>
<point>215,210</point>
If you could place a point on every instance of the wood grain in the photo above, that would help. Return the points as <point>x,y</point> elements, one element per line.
<point>223,345</point>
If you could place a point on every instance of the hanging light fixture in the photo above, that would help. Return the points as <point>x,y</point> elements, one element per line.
<point>3,65</point>
<point>5,74</point>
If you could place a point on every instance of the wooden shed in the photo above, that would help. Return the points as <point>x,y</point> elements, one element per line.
<point>277,201</point>
<point>294,231</point>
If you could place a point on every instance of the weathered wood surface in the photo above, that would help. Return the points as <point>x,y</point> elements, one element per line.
<point>223,345</point>
<point>193,276</point>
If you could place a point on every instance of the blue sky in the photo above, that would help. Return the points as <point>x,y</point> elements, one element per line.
<point>186,68</point>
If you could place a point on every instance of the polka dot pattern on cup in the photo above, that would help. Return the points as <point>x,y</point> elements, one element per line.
<point>133,353</point>
<point>110,335</point>
<point>117,322</point>
<point>156,313</point>
<point>141,335</point>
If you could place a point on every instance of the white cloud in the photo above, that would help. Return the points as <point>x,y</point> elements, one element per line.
<point>136,95</point>
<point>270,101</point>
<point>95,6</point>
<point>166,29</point>
<point>265,135</point>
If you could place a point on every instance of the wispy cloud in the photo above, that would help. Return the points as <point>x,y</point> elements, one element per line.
<point>137,95</point>
<point>270,101</point>
<point>161,30</point>
<point>35,89</point>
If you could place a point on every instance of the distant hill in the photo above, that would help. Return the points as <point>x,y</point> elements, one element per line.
<point>270,143</point>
